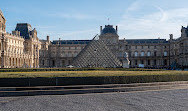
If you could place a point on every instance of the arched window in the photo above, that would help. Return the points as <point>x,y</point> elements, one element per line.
<point>75,54</point>
<point>136,54</point>
<point>165,53</point>
<point>142,53</point>
<point>148,53</point>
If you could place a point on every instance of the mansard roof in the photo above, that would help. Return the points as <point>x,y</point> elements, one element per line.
<point>142,41</point>
<point>109,29</point>
<point>130,41</point>
<point>24,29</point>
<point>71,41</point>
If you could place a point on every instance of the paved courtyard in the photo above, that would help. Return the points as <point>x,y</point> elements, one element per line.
<point>166,100</point>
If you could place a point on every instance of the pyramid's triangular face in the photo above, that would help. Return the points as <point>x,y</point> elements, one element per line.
<point>96,54</point>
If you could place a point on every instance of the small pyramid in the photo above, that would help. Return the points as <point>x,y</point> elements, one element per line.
<point>96,54</point>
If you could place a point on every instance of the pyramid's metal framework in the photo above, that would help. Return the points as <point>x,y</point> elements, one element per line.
<point>96,54</point>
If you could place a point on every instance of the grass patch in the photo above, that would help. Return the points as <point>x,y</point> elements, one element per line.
<point>94,73</point>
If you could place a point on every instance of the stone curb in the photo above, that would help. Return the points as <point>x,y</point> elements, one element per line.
<point>138,87</point>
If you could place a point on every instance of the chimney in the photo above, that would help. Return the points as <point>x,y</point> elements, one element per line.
<point>101,29</point>
<point>17,33</point>
<point>116,28</point>
<point>171,36</point>
<point>48,38</point>
<point>59,41</point>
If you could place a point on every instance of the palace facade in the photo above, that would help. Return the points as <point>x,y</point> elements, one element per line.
<point>22,48</point>
<point>148,53</point>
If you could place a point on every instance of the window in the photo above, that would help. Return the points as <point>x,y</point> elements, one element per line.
<point>135,47</point>
<point>165,62</point>
<point>142,61</point>
<point>66,47</point>
<point>120,54</point>
<point>126,47</point>
<point>148,53</point>
<point>155,47</point>
<point>43,62</point>
<point>155,53</point>
<point>72,48</point>
<point>69,62</point>
<point>165,53</point>
<point>155,62</point>
<point>142,53</point>
<point>148,62</point>
<point>75,54</point>
<point>136,62</point>
<point>142,47</point>
<point>129,54</point>
<point>136,54</point>
<point>53,63</point>
<point>69,54</point>
<point>63,62</point>
<point>148,46</point>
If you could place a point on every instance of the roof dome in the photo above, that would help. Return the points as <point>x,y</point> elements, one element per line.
<point>109,29</point>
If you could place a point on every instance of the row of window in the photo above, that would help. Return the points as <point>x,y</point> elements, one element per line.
<point>15,41</point>
<point>148,62</point>
<point>63,54</point>
<point>67,48</point>
<point>141,47</point>
<point>148,53</point>
<point>53,62</point>
<point>13,50</point>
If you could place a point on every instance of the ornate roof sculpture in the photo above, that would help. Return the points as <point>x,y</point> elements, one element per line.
<point>1,12</point>
<point>96,54</point>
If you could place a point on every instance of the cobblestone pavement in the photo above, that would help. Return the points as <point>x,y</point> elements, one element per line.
<point>166,100</point>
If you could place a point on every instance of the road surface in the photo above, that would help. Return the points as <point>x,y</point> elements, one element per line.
<point>164,100</point>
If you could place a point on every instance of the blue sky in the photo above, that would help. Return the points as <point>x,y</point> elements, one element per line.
<point>81,19</point>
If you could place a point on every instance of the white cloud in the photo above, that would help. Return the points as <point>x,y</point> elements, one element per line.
<point>154,25</point>
<point>134,6</point>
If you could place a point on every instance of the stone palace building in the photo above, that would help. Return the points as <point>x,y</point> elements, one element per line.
<point>22,48</point>
<point>19,48</point>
